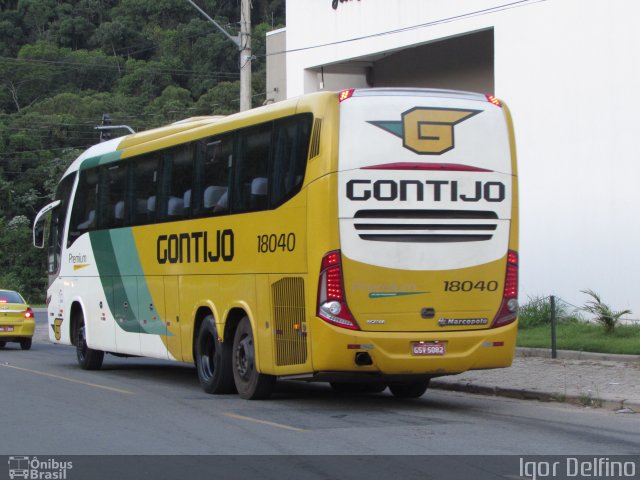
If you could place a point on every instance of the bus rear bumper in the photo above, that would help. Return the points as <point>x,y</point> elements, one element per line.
<point>390,353</point>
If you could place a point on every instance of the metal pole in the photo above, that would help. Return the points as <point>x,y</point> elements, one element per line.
<point>245,55</point>
<point>244,45</point>
<point>235,40</point>
<point>552,301</point>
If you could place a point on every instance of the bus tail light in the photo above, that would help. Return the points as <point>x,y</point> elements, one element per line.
<point>494,100</point>
<point>345,94</point>
<point>508,311</point>
<point>332,303</point>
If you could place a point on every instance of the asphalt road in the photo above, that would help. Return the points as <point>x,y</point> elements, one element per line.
<point>149,407</point>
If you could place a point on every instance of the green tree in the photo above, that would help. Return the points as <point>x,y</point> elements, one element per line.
<point>12,33</point>
<point>38,15</point>
<point>119,39</point>
<point>23,267</point>
<point>73,32</point>
<point>223,99</point>
<point>173,104</point>
<point>144,79</point>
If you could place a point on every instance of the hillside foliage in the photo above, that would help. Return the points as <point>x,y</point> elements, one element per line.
<point>63,64</point>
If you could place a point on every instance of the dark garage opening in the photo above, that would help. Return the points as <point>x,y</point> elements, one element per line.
<point>464,62</point>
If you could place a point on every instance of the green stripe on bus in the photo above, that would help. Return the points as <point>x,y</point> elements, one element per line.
<point>100,160</point>
<point>123,275</point>
<point>393,294</point>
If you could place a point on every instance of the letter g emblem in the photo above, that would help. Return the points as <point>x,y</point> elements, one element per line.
<point>429,131</point>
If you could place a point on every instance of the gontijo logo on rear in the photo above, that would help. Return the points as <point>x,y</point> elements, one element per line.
<point>427,130</point>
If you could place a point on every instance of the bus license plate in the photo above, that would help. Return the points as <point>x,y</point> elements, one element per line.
<point>426,349</point>
<point>6,329</point>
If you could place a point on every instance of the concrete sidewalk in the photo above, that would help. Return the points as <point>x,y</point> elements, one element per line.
<point>581,378</point>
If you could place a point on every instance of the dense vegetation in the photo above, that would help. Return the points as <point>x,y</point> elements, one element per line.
<point>65,63</point>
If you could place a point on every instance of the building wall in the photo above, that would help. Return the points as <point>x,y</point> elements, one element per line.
<point>568,70</point>
<point>276,65</point>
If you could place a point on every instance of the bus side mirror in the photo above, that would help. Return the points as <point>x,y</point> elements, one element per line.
<point>39,224</point>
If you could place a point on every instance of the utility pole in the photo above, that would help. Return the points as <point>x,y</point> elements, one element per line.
<point>245,55</point>
<point>243,43</point>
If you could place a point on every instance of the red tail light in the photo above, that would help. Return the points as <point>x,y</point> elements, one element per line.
<point>345,94</point>
<point>332,303</point>
<point>508,311</point>
<point>494,100</point>
<point>28,313</point>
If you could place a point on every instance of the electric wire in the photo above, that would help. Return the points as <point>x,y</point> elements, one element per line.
<point>477,13</point>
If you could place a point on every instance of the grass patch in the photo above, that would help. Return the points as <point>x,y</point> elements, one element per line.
<point>577,335</point>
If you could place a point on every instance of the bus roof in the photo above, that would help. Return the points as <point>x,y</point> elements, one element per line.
<point>197,127</point>
<point>182,131</point>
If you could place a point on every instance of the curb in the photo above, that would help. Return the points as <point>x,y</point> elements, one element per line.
<point>521,394</point>
<point>575,355</point>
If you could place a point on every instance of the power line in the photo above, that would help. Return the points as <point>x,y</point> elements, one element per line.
<point>153,47</point>
<point>78,65</point>
<point>477,13</point>
<point>49,149</point>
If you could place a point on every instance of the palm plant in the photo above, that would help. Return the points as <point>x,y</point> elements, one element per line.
<point>603,313</point>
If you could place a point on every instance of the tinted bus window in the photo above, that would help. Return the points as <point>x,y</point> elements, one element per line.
<point>214,163</point>
<point>56,235</point>
<point>290,147</point>
<point>84,212</point>
<point>145,189</point>
<point>250,182</point>
<point>112,195</point>
<point>178,176</point>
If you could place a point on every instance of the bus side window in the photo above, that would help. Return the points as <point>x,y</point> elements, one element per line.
<point>113,213</point>
<point>177,180</point>
<point>251,170</point>
<point>85,204</point>
<point>214,161</point>
<point>145,189</point>
<point>290,150</point>
<point>56,234</point>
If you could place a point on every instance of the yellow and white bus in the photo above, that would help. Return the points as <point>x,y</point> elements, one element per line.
<point>367,238</point>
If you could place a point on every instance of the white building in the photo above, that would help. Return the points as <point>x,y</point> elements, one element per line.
<point>570,72</point>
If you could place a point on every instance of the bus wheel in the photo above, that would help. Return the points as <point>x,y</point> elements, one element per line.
<point>2,344</point>
<point>213,359</point>
<point>88,358</point>
<point>25,344</point>
<point>409,390</point>
<point>251,385</point>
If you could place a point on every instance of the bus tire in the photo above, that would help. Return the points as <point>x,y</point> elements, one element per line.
<point>25,344</point>
<point>3,344</point>
<point>409,390</point>
<point>213,359</point>
<point>88,358</point>
<point>251,384</point>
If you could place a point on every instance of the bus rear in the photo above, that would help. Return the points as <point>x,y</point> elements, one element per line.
<point>424,282</point>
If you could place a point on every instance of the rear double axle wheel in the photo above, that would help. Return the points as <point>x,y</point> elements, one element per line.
<point>251,384</point>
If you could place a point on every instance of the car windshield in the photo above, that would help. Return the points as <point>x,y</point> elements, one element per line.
<point>10,297</point>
